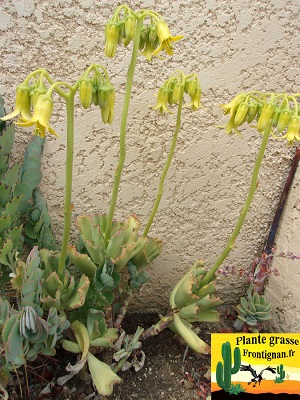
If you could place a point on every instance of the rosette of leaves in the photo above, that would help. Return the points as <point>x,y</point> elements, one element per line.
<point>25,334</point>
<point>62,292</point>
<point>102,261</point>
<point>252,310</point>
<point>24,331</point>
<point>195,302</point>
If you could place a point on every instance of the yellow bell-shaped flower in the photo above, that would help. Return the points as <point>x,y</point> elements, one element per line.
<point>41,116</point>
<point>165,38</point>
<point>22,103</point>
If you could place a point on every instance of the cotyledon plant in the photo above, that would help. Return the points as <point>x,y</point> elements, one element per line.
<point>26,330</point>
<point>112,255</point>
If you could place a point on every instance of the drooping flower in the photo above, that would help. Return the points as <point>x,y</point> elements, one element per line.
<point>41,116</point>
<point>293,131</point>
<point>86,92</point>
<point>112,32</point>
<point>148,50</point>
<point>265,116</point>
<point>130,24</point>
<point>196,99</point>
<point>107,109</point>
<point>165,39</point>
<point>22,103</point>
<point>162,100</point>
<point>230,108</point>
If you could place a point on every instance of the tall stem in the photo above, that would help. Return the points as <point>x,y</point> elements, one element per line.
<point>166,168</point>
<point>68,182</point>
<point>253,185</point>
<point>118,173</point>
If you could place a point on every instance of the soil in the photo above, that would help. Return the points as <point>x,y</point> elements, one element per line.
<point>169,373</point>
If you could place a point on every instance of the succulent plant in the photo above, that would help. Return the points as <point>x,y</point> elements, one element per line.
<point>195,302</point>
<point>124,243</point>
<point>252,310</point>
<point>10,232</point>
<point>38,230</point>
<point>25,332</point>
<point>103,262</point>
<point>61,292</point>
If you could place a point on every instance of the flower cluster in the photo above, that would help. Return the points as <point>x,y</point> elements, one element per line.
<point>36,97</point>
<point>276,111</point>
<point>153,37</point>
<point>173,89</point>
<point>99,91</point>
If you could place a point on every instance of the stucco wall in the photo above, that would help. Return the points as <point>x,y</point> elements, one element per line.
<point>234,46</point>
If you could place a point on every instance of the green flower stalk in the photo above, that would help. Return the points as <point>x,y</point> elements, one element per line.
<point>172,92</point>
<point>245,107</point>
<point>34,103</point>
<point>128,25</point>
<point>122,154</point>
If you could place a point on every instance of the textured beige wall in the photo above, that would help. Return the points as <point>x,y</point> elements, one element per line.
<point>233,46</point>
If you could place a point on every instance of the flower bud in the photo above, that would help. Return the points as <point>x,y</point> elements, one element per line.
<point>105,94</point>
<point>111,40</point>
<point>154,44</point>
<point>196,99</point>
<point>43,109</point>
<point>141,43</point>
<point>177,93</point>
<point>275,117</point>
<point>107,112</point>
<point>36,92</point>
<point>145,33</point>
<point>122,31</point>
<point>95,94</point>
<point>130,23</point>
<point>191,87</point>
<point>23,102</point>
<point>252,112</point>
<point>293,131</point>
<point>162,31</point>
<point>233,105</point>
<point>265,117</point>
<point>152,34</point>
<point>283,120</point>
<point>86,92</point>
<point>148,51</point>
<point>241,113</point>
